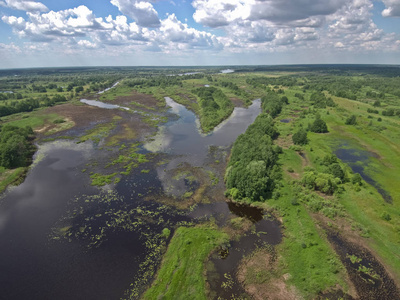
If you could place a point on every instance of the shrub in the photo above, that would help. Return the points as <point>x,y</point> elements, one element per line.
<point>356,179</point>
<point>352,120</point>
<point>319,126</point>
<point>59,121</point>
<point>385,216</point>
<point>300,137</point>
<point>337,171</point>
<point>377,103</point>
<point>166,233</point>
<point>323,182</point>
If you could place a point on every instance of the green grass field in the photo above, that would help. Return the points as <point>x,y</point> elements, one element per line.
<point>181,275</point>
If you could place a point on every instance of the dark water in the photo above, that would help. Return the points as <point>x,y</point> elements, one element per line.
<point>34,268</point>
<point>358,160</point>
<point>223,277</point>
<point>35,265</point>
<point>285,120</point>
<point>183,137</point>
<point>367,274</point>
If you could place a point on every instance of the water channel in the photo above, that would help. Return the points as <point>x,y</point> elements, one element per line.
<point>109,229</point>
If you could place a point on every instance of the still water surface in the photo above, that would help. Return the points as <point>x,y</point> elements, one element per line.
<point>35,267</point>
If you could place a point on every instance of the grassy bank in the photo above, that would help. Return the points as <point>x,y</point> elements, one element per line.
<point>181,275</point>
<point>8,177</point>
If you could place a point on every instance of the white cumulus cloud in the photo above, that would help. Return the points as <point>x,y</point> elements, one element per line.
<point>31,6</point>
<point>142,12</point>
<point>392,8</point>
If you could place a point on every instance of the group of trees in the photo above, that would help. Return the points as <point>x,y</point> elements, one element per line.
<point>319,100</point>
<point>391,112</point>
<point>16,146</point>
<point>329,180</point>
<point>252,171</point>
<point>10,95</point>
<point>274,81</point>
<point>272,104</point>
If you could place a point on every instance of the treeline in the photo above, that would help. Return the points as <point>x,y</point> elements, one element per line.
<point>10,96</point>
<point>29,105</point>
<point>252,172</point>
<point>215,106</point>
<point>265,81</point>
<point>162,81</point>
<point>319,100</point>
<point>16,146</point>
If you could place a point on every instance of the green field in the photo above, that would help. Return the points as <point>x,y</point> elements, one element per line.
<point>181,275</point>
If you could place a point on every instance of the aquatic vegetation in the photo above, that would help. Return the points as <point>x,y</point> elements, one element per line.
<point>100,180</point>
<point>213,177</point>
<point>97,133</point>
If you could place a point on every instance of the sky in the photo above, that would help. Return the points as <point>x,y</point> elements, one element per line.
<point>59,33</point>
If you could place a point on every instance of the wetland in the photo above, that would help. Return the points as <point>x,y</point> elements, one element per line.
<point>192,186</point>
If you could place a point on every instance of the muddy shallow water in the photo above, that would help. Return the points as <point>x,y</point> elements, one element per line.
<point>61,238</point>
<point>358,160</point>
<point>367,274</point>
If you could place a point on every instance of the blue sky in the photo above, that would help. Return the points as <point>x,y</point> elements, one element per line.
<point>197,32</point>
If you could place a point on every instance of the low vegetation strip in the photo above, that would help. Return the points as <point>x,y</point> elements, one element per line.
<point>215,107</point>
<point>181,275</point>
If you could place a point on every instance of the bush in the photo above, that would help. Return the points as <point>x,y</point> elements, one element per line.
<point>352,120</point>
<point>300,137</point>
<point>166,233</point>
<point>337,171</point>
<point>377,103</point>
<point>389,112</point>
<point>385,216</point>
<point>319,126</point>
<point>59,121</point>
<point>323,182</point>
<point>356,179</point>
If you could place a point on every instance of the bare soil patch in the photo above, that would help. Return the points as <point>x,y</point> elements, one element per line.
<point>188,98</point>
<point>83,115</point>
<point>140,98</point>
<point>284,141</point>
<point>257,274</point>
<point>237,102</point>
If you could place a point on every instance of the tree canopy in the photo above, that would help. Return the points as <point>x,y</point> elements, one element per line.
<point>16,147</point>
